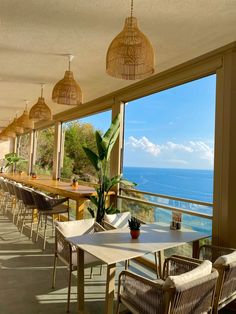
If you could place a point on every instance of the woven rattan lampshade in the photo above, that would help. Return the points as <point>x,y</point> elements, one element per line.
<point>24,120</point>
<point>130,55</point>
<point>15,127</point>
<point>3,138</point>
<point>67,91</point>
<point>40,111</point>
<point>8,133</point>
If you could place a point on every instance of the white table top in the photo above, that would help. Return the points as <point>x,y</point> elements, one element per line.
<point>116,245</point>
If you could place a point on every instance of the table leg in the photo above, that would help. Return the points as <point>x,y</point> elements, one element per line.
<point>195,248</point>
<point>80,281</point>
<point>80,208</point>
<point>110,287</point>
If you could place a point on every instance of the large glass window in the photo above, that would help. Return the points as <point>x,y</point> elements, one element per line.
<point>169,145</point>
<point>76,134</point>
<point>23,142</point>
<point>44,151</point>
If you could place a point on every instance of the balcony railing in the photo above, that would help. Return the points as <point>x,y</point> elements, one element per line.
<point>158,207</point>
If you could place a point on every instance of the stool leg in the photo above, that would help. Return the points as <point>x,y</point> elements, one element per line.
<point>54,271</point>
<point>69,290</point>
<point>23,221</point>
<point>37,233</point>
<point>32,223</point>
<point>45,230</point>
<point>18,215</point>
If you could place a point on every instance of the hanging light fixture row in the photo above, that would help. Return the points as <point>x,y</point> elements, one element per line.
<point>130,55</point>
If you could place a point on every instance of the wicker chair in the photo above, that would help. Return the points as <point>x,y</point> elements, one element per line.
<point>48,207</point>
<point>120,220</point>
<point>67,253</point>
<point>224,260</point>
<point>188,293</point>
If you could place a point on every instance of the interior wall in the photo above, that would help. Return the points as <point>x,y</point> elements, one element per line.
<point>5,148</point>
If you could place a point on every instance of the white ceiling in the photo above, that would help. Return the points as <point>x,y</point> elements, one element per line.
<point>36,34</point>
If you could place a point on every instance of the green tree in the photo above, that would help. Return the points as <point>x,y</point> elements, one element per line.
<point>45,147</point>
<point>78,135</point>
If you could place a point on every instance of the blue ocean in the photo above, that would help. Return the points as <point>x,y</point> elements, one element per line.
<point>183,183</point>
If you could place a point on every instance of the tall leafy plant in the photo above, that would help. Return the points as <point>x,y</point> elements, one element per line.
<point>13,160</point>
<point>100,162</point>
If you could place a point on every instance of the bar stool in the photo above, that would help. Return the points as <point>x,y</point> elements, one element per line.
<point>29,207</point>
<point>4,194</point>
<point>11,200</point>
<point>19,202</point>
<point>48,207</point>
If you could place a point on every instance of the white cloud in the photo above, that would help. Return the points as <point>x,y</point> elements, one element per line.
<point>206,152</point>
<point>144,144</point>
<point>174,146</point>
<point>178,161</point>
<point>178,153</point>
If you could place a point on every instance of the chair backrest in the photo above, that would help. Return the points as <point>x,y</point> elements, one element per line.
<point>75,227</point>
<point>27,196</point>
<point>70,229</point>
<point>212,252</point>
<point>17,191</point>
<point>4,186</point>
<point>10,187</point>
<point>226,287</point>
<point>41,201</point>
<point>119,220</point>
<point>191,292</point>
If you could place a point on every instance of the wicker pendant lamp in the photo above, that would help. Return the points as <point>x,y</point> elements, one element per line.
<point>3,138</point>
<point>24,120</point>
<point>15,127</point>
<point>67,91</point>
<point>40,111</point>
<point>130,55</point>
<point>8,133</point>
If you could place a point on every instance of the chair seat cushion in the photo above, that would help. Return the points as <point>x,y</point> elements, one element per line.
<point>226,259</point>
<point>119,220</point>
<point>200,271</point>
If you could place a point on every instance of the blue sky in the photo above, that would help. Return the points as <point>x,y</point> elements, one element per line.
<point>170,129</point>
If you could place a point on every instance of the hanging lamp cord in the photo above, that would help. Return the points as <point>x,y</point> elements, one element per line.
<point>131,11</point>
<point>42,86</point>
<point>70,58</point>
<point>26,105</point>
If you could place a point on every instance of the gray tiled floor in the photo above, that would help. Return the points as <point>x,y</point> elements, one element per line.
<point>25,277</point>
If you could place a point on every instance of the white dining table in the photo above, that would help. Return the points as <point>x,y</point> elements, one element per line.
<point>116,246</point>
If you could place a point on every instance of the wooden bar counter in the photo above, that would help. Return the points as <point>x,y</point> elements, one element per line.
<point>61,188</point>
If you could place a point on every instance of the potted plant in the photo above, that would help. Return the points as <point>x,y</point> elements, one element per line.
<point>14,160</point>
<point>100,162</point>
<point>33,175</point>
<point>134,226</point>
<point>75,183</point>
